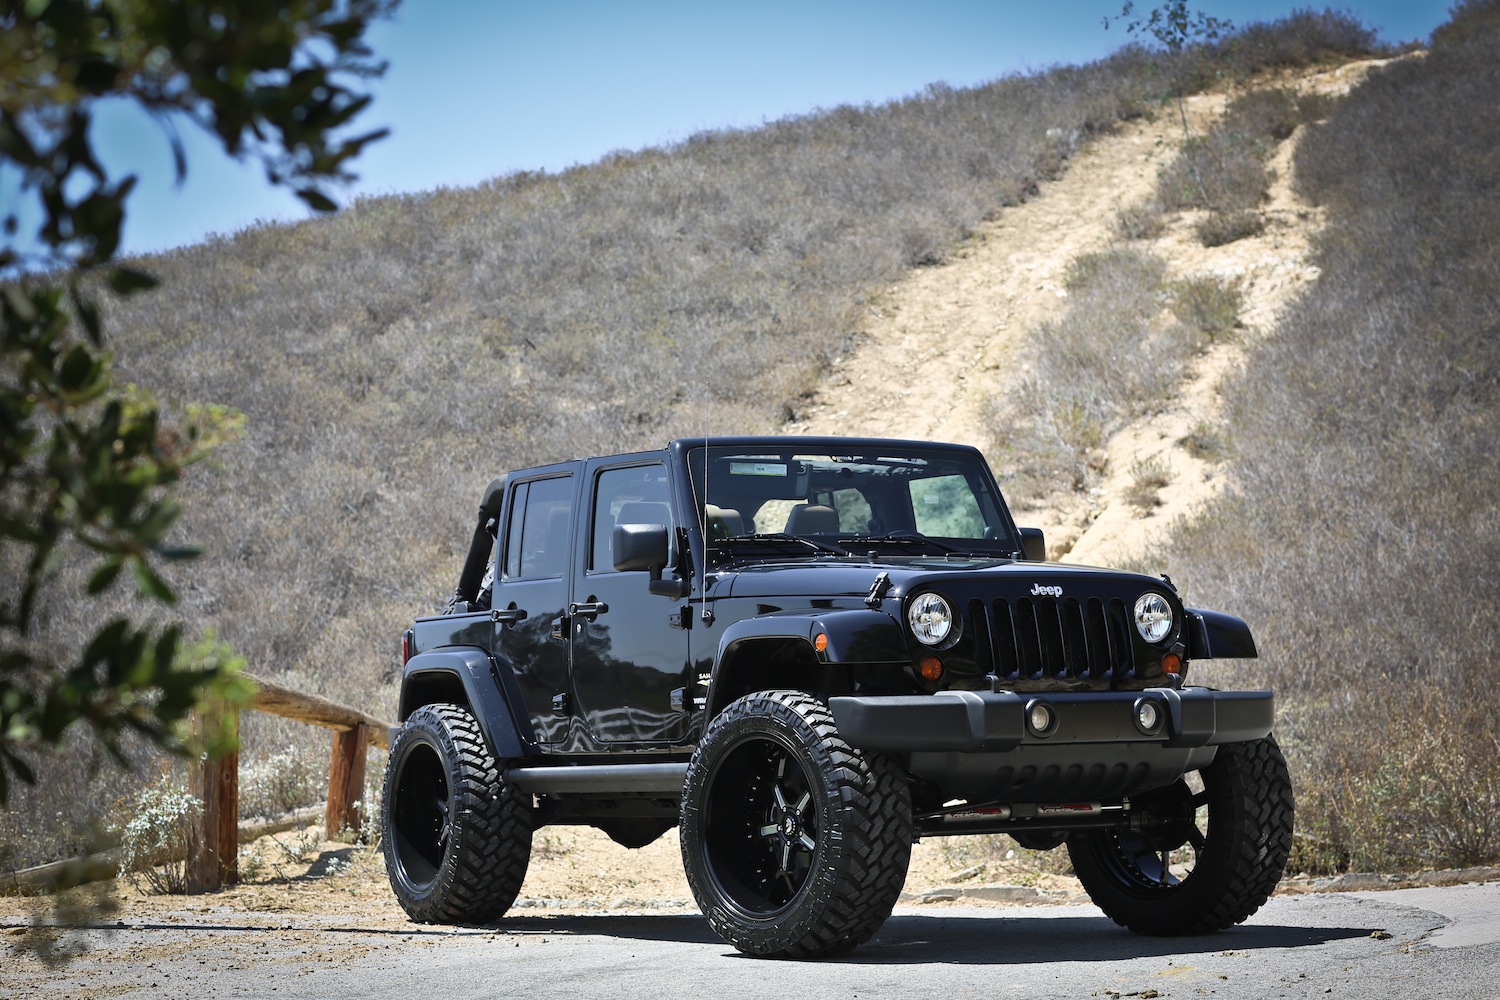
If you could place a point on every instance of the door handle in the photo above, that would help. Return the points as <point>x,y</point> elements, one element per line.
<point>508,616</point>
<point>588,609</point>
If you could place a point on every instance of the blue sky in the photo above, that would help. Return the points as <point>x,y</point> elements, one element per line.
<point>480,88</point>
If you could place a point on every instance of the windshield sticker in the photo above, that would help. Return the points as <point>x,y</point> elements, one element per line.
<point>757,469</point>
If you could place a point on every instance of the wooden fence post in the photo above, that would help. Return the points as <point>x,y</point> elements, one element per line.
<point>213,842</point>
<point>346,780</point>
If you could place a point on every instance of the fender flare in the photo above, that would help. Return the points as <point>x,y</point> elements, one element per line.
<point>855,635</point>
<point>1213,635</point>
<point>489,689</point>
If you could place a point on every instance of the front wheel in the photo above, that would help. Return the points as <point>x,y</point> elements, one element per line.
<point>1207,853</point>
<point>457,838</point>
<point>795,844</point>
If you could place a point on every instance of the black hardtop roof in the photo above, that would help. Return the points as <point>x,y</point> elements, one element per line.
<point>833,445</point>
<point>830,444</point>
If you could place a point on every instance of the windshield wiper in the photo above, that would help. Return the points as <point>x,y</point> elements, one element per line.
<point>779,538</point>
<point>912,539</point>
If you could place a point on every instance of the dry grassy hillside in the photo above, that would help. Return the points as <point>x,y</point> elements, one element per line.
<point>389,361</point>
<point>1361,534</point>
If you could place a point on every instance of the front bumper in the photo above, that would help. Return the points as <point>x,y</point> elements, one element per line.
<point>977,745</point>
<point>983,721</point>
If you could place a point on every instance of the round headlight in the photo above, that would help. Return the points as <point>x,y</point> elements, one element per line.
<point>1153,617</point>
<point>931,619</point>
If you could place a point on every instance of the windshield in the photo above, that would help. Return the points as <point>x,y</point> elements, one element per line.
<point>895,501</point>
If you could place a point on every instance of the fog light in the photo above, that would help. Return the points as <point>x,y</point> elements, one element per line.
<point>1040,718</point>
<point>931,668</point>
<point>1148,716</point>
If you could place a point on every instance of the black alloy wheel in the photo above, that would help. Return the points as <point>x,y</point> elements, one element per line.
<point>763,829</point>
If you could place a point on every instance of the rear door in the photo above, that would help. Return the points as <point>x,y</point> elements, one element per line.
<point>531,592</point>
<point>629,651</point>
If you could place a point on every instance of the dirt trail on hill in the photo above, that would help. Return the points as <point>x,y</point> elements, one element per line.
<point>947,338</point>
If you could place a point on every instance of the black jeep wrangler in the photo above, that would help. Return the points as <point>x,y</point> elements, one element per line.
<point>807,653</point>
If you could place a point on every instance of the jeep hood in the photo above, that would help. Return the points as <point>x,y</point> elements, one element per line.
<point>843,578</point>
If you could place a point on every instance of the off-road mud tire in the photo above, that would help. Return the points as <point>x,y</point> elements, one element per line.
<point>774,760</point>
<point>1247,794</point>
<point>457,838</point>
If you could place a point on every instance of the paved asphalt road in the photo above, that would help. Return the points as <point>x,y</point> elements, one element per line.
<point>1413,943</point>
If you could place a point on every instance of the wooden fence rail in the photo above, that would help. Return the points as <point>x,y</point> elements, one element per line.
<point>213,842</point>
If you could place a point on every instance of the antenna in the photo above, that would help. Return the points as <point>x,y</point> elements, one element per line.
<point>707,614</point>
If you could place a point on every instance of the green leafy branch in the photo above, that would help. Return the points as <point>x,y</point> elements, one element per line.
<point>89,469</point>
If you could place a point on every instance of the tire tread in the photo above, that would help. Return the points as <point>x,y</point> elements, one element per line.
<point>873,800</point>
<point>486,861</point>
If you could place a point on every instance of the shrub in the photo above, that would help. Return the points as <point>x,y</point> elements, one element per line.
<point>1208,304</point>
<point>1224,170</point>
<point>1147,479</point>
<point>1205,443</point>
<point>154,838</point>
<point>1115,354</point>
<point>282,781</point>
<point>1220,228</point>
<point>1142,221</point>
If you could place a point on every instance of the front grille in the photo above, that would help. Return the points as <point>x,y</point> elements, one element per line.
<point>1047,640</point>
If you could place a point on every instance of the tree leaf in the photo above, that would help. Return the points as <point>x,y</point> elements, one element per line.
<point>128,281</point>
<point>104,576</point>
<point>152,585</point>
<point>317,200</point>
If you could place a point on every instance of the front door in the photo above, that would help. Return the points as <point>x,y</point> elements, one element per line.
<point>628,655</point>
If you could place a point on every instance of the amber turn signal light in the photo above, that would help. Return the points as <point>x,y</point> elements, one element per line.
<point>1171,664</point>
<point>931,668</point>
<point>820,642</point>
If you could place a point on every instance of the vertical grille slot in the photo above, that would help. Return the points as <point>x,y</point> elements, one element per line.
<point>1103,653</point>
<point>1119,641</point>
<point>1075,658</point>
<point>1028,641</point>
<point>1049,633</point>
<point>984,651</point>
<point>1003,640</point>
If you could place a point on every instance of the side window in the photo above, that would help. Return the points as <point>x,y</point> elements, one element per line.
<point>513,533</point>
<point>541,523</point>
<point>945,506</point>
<point>637,495</point>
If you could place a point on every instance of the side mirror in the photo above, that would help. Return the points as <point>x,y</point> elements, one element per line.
<point>639,547</point>
<point>1033,545</point>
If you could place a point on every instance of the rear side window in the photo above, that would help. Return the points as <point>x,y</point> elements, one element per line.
<point>541,526</point>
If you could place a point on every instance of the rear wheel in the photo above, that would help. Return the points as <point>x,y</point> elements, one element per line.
<point>457,839</point>
<point>1210,851</point>
<point>795,844</point>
